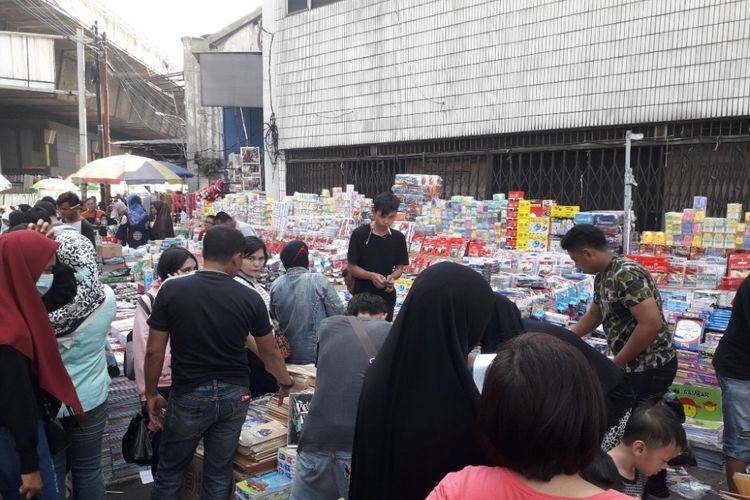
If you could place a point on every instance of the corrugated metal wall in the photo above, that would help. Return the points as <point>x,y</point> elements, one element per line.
<point>375,71</point>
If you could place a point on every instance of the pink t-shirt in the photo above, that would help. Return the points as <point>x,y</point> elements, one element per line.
<point>480,483</point>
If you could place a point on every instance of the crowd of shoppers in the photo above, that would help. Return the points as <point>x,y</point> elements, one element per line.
<point>396,413</point>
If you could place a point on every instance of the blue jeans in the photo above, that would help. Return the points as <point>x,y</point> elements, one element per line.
<point>321,475</point>
<point>10,467</point>
<point>214,411</point>
<point>83,458</point>
<point>735,404</point>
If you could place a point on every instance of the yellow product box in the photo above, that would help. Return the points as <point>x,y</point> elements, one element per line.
<point>522,245</point>
<point>524,204</point>
<point>747,217</point>
<point>741,228</point>
<point>647,238</point>
<point>697,241</point>
<point>739,242</point>
<point>564,211</point>
<point>659,238</point>
<point>669,240</point>
<point>699,216</point>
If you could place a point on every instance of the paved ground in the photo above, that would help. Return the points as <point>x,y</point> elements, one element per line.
<point>134,490</point>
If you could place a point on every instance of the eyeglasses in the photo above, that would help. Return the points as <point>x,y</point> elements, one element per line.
<point>69,208</point>
<point>254,260</point>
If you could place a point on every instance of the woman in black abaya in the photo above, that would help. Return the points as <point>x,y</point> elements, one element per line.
<point>506,323</point>
<point>418,407</point>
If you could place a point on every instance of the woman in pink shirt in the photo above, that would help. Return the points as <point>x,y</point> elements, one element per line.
<point>173,262</point>
<point>541,419</point>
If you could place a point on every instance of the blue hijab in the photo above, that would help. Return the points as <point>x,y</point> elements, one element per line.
<point>136,212</point>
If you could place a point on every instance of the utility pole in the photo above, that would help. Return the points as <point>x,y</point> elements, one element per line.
<point>82,134</point>
<point>628,194</point>
<point>103,74</point>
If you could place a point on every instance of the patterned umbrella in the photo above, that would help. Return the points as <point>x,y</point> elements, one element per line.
<point>130,169</point>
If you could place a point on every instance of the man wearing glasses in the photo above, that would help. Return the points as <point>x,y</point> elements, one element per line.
<point>69,206</point>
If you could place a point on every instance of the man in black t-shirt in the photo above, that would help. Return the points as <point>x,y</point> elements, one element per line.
<point>377,253</point>
<point>206,317</point>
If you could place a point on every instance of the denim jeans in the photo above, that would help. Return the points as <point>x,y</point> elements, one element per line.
<point>652,385</point>
<point>10,467</point>
<point>735,403</point>
<point>321,475</point>
<point>83,458</point>
<point>214,411</point>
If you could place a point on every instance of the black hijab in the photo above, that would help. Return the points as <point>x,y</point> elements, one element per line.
<point>163,227</point>
<point>418,407</point>
<point>504,324</point>
<point>295,254</point>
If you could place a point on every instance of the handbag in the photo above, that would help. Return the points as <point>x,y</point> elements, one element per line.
<point>57,438</point>
<point>136,443</point>
<point>281,340</point>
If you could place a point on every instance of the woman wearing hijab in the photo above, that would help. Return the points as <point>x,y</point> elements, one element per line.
<point>33,379</point>
<point>418,408</point>
<point>300,300</point>
<point>506,324</point>
<point>133,222</point>
<point>161,221</point>
<point>81,329</point>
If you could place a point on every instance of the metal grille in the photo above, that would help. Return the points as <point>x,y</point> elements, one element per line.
<point>368,176</point>
<point>675,162</point>
<point>721,172</point>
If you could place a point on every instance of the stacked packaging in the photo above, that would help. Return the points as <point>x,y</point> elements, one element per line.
<point>416,190</point>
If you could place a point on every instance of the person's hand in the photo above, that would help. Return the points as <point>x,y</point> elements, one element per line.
<point>390,284</point>
<point>31,484</point>
<point>283,393</point>
<point>379,280</point>
<point>157,406</point>
<point>42,227</point>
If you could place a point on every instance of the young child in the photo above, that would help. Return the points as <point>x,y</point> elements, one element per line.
<point>653,436</point>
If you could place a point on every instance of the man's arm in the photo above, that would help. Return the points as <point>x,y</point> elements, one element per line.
<point>331,300</point>
<point>155,349</point>
<point>650,322</point>
<point>268,352</point>
<point>589,321</point>
<point>397,272</point>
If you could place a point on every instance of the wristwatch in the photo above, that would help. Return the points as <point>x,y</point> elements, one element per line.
<point>287,386</point>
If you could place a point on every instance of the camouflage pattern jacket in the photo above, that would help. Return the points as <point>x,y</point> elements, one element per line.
<point>623,285</point>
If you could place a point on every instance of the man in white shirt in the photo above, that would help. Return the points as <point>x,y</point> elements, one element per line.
<point>224,219</point>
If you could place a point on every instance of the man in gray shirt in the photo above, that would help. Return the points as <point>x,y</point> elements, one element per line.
<point>346,347</point>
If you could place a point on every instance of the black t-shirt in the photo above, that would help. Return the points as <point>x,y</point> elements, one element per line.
<point>377,254</point>
<point>208,316</point>
<point>732,358</point>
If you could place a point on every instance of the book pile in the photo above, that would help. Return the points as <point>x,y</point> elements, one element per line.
<point>258,446</point>
<point>270,486</point>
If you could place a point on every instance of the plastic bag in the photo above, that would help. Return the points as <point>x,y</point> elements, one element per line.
<point>136,443</point>
<point>683,484</point>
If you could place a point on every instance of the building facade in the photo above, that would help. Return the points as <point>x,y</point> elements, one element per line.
<point>528,95</point>
<point>214,131</point>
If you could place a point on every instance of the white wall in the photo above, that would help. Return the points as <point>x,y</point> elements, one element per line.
<point>372,71</point>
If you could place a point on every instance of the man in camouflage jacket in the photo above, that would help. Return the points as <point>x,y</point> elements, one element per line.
<point>629,306</point>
